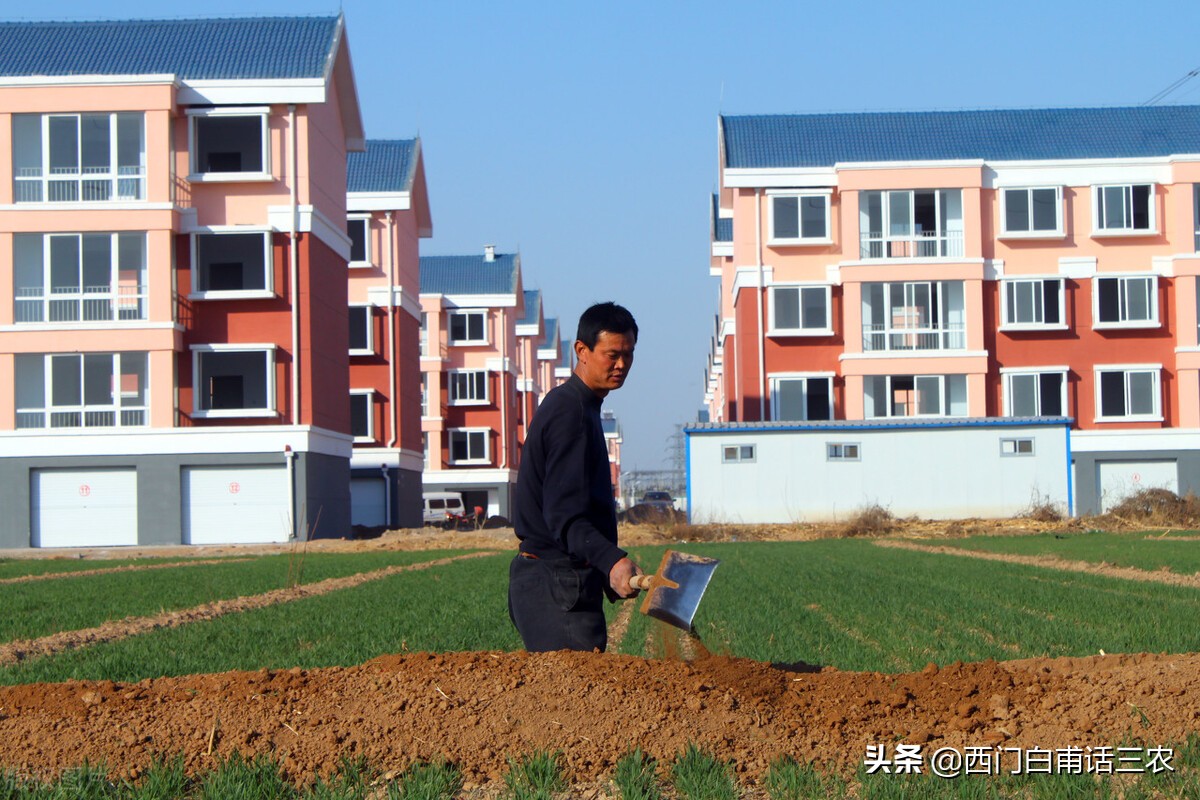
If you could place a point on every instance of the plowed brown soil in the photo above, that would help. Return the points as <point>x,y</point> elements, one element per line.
<point>478,708</point>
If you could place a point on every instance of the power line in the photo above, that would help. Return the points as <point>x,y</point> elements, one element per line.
<point>1163,94</point>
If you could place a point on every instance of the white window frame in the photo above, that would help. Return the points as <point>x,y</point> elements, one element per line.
<point>1008,373</point>
<point>943,409</point>
<point>114,304</point>
<point>451,374</point>
<point>369,350</point>
<point>370,395</point>
<point>825,195</point>
<point>1123,279</point>
<point>739,454</point>
<point>1017,447</point>
<point>365,219</point>
<point>947,241</point>
<point>773,328</point>
<point>1007,311</point>
<point>466,312</point>
<point>487,446</point>
<point>1057,233</point>
<point>88,415</point>
<point>1155,372</point>
<point>262,112</point>
<point>1098,229</point>
<point>774,378</point>
<point>117,179</point>
<point>268,290</point>
<point>198,350</point>
<point>843,451</point>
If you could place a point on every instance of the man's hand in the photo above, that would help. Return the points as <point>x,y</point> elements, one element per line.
<point>619,575</point>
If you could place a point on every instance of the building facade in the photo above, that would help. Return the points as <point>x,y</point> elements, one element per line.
<point>967,265</point>
<point>387,216</point>
<point>173,256</point>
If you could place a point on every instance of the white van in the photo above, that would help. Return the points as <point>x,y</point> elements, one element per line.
<point>439,504</point>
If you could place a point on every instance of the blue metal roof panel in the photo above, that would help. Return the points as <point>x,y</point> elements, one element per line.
<point>550,339</point>
<point>533,302</point>
<point>469,274</point>
<point>191,49</point>
<point>722,228</point>
<point>823,140</point>
<point>385,166</point>
<point>833,425</point>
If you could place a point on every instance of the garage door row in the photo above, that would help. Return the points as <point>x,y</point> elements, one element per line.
<point>217,505</point>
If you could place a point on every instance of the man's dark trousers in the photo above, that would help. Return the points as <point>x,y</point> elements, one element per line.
<point>557,604</point>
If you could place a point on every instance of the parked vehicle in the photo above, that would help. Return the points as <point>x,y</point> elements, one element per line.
<point>657,500</point>
<point>441,507</point>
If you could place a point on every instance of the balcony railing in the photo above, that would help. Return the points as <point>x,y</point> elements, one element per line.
<point>69,304</point>
<point>81,417</point>
<point>88,185</point>
<point>946,244</point>
<point>882,338</point>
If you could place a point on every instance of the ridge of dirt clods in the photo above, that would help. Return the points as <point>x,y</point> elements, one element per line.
<point>478,708</point>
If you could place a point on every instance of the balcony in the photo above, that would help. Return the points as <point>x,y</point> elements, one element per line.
<point>884,338</point>
<point>932,244</point>
<point>81,417</point>
<point>73,185</point>
<point>69,304</point>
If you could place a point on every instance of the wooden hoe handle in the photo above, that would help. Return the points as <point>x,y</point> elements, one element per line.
<point>641,582</point>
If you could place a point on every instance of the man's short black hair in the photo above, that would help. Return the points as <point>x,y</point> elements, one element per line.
<point>604,317</point>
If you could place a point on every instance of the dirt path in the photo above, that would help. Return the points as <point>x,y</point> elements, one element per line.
<point>478,708</point>
<point>1053,562</point>
<point>16,651</point>
<point>79,573</point>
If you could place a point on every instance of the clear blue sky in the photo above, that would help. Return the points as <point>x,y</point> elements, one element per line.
<point>584,134</point>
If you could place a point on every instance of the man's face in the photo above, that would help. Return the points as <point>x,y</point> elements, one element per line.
<point>605,366</point>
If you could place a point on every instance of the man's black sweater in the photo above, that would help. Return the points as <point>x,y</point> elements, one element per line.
<point>564,502</point>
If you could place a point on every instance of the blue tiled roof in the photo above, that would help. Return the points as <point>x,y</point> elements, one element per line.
<point>385,166</point>
<point>564,354</point>
<point>823,140</point>
<point>469,274</point>
<point>550,339</point>
<point>722,229</point>
<point>533,303</point>
<point>190,49</point>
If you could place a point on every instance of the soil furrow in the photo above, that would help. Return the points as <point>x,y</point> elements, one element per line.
<point>620,624</point>
<point>16,651</point>
<point>49,576</point>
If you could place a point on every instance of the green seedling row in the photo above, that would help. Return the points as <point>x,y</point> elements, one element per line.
<point>21,567</point>
<point>39,608</point>
<point>1148,551</point>
<point>452,607</point>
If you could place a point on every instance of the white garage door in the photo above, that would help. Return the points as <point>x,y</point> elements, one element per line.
<point>235,505</point>
<point>83,508</point>
<point>367,500</point>
<point>1116,480</point>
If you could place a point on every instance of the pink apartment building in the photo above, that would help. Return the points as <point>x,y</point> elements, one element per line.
<point>173,344</point>
<point>985,266</point>
<point>470,358</point>
<point>388,214</point>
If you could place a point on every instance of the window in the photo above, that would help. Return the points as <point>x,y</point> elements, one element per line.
<point>361,329</point>
<point>804,397</point>
<point>468,387</point>
<point>1128,393</point>
<point>915,315</point>
<point>1039,393</point>
<point>842,451</point>
<point>362,416</point>
<point>80,390</point>
<point>70,158</point>
<point>1036,303</point>
<point>1016,447</point>
<point>469,446</point>
<point>1124,209</point>
<point>738,453</point>
<point>1196,215</point>
<point>1127,301</point>
<point>229,143</point>
<point>468,327</point>
<point>800,310</point>
<point>231,264</point>
<point>1031,212</point>
<point>915,396</point>
<point>911,224</point>
<point>233,380</point>
<point>799,218</point>
<point>79,277</point>
<point>359,230</point>
<point>424,394</point>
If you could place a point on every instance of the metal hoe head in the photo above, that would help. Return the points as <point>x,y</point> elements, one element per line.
<point>677,587</point>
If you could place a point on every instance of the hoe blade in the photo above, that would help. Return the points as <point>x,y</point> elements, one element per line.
<point>677,587</point>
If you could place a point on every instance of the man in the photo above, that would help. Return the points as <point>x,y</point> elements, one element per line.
<point>565,515</point>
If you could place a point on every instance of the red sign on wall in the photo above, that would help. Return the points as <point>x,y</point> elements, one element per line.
<point>84,490</point>
<point>234,487</point>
